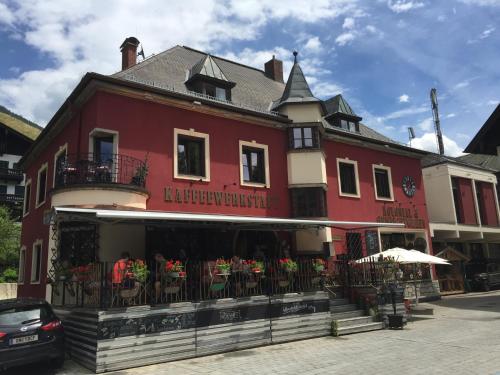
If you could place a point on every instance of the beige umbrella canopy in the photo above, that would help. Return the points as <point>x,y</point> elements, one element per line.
<point>404,256</point>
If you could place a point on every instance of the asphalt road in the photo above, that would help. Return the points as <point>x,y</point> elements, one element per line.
<point>461,337</point>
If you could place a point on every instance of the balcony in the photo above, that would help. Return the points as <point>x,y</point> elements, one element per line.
<point>11,199</point>
<point>85,179</point>
<point>11,174</point>
<point>115,170</point>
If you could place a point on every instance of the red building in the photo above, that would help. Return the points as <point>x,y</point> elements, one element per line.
<point>198,157</point>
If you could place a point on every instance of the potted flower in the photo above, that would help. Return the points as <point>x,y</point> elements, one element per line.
<point>318,265</point>
<point>255,266</point>
<point>223,266</point>
<point>141,173</point>
<point>174,268</point>
<point>139,270</point>
<point>288,265</point>
<point>81,273</point>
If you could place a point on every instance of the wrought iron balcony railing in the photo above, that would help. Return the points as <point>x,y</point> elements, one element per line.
<point>88,169</point>
<point>11,174</point>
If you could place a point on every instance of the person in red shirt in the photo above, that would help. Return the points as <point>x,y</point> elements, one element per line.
<point>120,268</point>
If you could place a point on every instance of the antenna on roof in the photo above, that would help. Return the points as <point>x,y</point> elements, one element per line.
<point>141,53</point>
<point>437,126</point>
<point>411,134</point>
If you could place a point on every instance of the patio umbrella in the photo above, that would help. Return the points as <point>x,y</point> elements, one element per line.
<point>404,256</point>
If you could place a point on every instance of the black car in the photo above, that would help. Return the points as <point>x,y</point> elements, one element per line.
<point>29,332</point>
<point>488,279</point>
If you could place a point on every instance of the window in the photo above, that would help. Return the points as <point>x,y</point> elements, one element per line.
<point>383,183</point>
<point>254,164</point>
<point>480,202</point>
<point>59,160</point>
<point>308,202</point>
<point>22,265</point>
<point>103,148</point>
<point>191,155</point>
<point>19,190</point>
<point>4,164</point>
<point>3,189</point>
<point>348,178</point>
<point>457,200</point>
<point>27,196</point>
<point>41,185</point>
<point>304,138</point>
<point>36,262</point>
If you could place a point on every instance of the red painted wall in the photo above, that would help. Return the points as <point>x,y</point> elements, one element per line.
<point>489,204</point>
<point>367,208</point>
<point>467,201</point>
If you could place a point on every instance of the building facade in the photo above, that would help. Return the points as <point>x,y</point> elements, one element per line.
<point>16,136</point>
<point>463,211</point>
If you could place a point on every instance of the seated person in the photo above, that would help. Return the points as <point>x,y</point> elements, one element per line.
<point>120,270</point>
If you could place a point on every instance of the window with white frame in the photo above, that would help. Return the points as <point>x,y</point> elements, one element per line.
<point>382,179</point>
<point>41,185</point>
<point>191,155</point>
<point>348,178</point>
<point>22,265</point>
<point>254,164</point>
<point>27,197</point>
<point>59,160</point>
<point>36,262</point>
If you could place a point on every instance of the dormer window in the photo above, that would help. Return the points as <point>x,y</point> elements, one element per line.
<point>207,78</point>
<point>340,114</point>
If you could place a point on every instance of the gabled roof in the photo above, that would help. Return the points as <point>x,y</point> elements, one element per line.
<point>487,139</point>
<point>171,68</point>
<point>296,90</point>
<point>18,124</point>
<point>207,67</point>
<point>486,161</point>
<point>338,104</point>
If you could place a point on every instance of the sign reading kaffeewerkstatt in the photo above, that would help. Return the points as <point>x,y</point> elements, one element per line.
<point>394,214</point>
<point>219,198</point>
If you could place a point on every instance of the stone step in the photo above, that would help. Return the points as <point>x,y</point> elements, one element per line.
<point>339,301</point>
<point>347,314</point>
<point>360,328</point>
<point>359,320</point>
<point>342,308</point>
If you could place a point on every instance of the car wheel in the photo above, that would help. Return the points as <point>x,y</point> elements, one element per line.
<point>486,286</point>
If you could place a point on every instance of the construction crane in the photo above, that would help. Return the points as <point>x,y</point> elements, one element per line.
<point>437,125</point>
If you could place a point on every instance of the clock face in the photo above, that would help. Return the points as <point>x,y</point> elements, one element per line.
<point>409,186</point>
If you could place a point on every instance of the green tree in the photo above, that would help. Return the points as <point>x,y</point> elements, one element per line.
<point>10,237</point>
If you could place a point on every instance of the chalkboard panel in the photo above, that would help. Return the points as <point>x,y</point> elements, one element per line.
<point>123,327</point>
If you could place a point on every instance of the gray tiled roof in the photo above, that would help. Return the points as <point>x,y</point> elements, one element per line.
<point>434,159</point>
<point>482,160</point>
<point>297,89</point>
<point>171,67</point>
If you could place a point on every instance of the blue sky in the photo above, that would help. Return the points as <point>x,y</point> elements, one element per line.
<point>383,55</point>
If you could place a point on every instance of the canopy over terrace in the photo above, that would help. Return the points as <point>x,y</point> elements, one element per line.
<point>186,219</point>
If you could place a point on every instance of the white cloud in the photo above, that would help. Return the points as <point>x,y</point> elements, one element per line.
<point>86,35</point>
<point>403,113</point>
<point>493,102</point>
<point>486,32</point>
<point>450,115</point>
<point>313,44</point>
<point>345,38</point>
<point>401,6</point>
<point>348,23</point>
<point>404,98</point>
<point>426,124</point>
<point>428,142</point>
<point>461,85</point>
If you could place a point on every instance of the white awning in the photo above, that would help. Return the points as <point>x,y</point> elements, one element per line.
<point>134,215</point>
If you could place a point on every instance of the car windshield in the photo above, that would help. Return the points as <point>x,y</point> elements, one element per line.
<point>23,315</point>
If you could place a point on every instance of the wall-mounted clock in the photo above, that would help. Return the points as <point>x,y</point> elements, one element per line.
<point>409,186</point>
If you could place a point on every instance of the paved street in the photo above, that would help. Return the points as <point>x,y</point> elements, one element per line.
<point>462,337</point>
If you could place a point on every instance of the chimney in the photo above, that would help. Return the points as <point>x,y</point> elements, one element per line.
<point>274,69</point>
<point>129,52</point>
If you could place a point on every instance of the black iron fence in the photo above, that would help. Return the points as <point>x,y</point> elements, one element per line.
<point>85,169</point>
<point>11,174</point>
<point>119,284</point>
